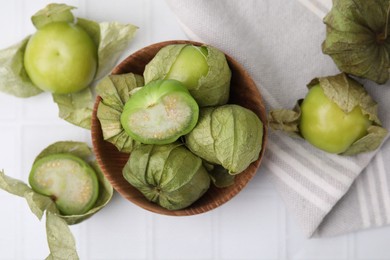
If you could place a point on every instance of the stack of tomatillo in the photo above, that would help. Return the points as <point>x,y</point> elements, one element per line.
<point>176,122</point>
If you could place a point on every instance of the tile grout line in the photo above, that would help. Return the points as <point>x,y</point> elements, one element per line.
<point>82,6</point>
<point>20,5</point>
<point>150,255</point>
<point>215,228</point>
<point>282,233</point>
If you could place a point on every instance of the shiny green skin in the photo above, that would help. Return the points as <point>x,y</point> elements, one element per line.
<point>68,180</point>
<point>189,66</point>
<point>154,126</point>
<point>326,126</point>
<point>61,58</point>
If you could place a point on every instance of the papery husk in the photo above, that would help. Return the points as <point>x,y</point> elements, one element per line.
<point>286,120</point>
<point>115,91</point>
<point>169,175</point>
<point>229,135</point>
<point>357,38</point>
<point>212,89</point>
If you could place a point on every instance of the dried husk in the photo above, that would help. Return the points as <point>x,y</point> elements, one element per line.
<point>347,93</point>
<point>229,135</point>
<point>357,38</point>
<point>115,90</point>
<point>168,175</point>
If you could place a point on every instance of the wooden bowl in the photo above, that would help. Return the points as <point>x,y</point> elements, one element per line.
<point>243,92</point>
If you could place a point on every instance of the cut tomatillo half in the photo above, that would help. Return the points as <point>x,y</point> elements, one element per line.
<point>160,112</point>
<point>68,180</point>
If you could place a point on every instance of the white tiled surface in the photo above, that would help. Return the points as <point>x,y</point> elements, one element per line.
<point>254,225</point>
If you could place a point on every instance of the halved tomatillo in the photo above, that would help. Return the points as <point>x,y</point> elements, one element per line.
<point>68,180</point>
<point>160,112</point>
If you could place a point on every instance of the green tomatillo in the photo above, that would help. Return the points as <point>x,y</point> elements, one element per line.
<point>160,112</point>
<point>202,69</point>
<point>169,175</point>
<point>61,58</point>
<point>337,116</point>
<point>190,66</point>
<point>229,135</point>
<point>325,125</point>
<point>68,180</point>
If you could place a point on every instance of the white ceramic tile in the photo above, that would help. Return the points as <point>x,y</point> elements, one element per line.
<point>373,244</point>
<point>9,23</point>
<point>183,238</point>
<point>10,230</point>
<point>249,227</point>
<point>9,106</point>
<point>117,232</point>
<point>123,11</point>
<point>33,235</point>
<point>41,106</point>
<point>9,150</point>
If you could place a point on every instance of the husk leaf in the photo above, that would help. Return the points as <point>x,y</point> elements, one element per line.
<point>168,175</point>
<point>286,120</point>
<point>115,90</point>
<point>14,78</point>
<point>229,135</point>
<point>53,13</point>
<point>357,38</point>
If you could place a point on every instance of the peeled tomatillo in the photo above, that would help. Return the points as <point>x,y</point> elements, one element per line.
<point>160,112</point>
<point>190,66</point>
<point>61,58</point>
<point>326,126</point>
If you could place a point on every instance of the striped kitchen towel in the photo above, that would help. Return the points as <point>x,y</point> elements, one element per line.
<point>279,43</point>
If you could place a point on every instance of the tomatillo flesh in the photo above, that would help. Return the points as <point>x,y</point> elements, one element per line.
<point>160,112</point>
<point>68,180</point>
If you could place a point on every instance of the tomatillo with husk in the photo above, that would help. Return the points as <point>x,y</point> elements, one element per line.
<point>160,112</point>
<point>229,135</point>
<point>169,175</point>
<point>357,38</point>
<point>337,116</point>
<point>204,70</point>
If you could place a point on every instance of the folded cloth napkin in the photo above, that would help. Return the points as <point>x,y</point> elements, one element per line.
<point>279,43</point>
